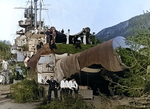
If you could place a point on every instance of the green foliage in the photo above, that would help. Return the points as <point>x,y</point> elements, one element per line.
<point>32,74</point>
<point>46,27</point>
<point>97,41</point>
<point>68,103</point>
<point>5,50</point>
<point>143,39</point>
<point>134,80</point>
<point>64,48</point>
<point>27,90</point>
<point>125,107</point>
<point>23,68</point>
<point>25,47</point>
<point>131,27</point>
<point>136,77</point>
<point>15,75</point>
<point>147,87</point>
<point>94,40</point>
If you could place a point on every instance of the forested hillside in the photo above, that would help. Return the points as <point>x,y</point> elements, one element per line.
<point>127,28</point>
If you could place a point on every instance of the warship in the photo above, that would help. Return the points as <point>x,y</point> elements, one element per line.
<point>33,36</point>
<point>33,48</point>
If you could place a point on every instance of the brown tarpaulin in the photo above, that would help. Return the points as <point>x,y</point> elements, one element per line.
<point>45,50</point>
<point>70,65</point>
<point>101,54</point>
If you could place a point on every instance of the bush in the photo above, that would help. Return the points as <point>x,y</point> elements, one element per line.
<point>25,47</point>
<point>68,103</point>
<point>15,75</point>
<point>23,68</point>
<point>27,90</point>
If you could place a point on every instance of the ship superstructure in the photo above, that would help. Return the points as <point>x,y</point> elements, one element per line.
<point>33,34</point>
<point>31,27</point>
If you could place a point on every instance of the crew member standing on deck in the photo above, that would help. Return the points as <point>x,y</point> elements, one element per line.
<point>52,87</point>
<point>48,36</point>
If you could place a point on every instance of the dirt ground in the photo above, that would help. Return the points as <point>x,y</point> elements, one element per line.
<point>7,103</point>
<point>11,105</point>
<point>99,102</point>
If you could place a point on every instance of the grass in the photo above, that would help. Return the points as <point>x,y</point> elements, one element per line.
<point>64,48</point>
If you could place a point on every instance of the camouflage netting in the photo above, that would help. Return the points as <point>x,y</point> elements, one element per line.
<point>102,54</point>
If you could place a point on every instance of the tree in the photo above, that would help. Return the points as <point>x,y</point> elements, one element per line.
<point>46,27</point>
<point>135,80</point>
<point>5,50</point>
<point>25,47</point>
<point>94,40</point>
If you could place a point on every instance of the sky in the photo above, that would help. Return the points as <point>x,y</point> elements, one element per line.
<point>71,14</point>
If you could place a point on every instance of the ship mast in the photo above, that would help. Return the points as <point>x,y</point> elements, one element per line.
<point>31,15</point>
<point>40,25</point>
<point>35,11</point>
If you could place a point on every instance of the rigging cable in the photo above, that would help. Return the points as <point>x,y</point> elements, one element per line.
<point>18,25</point>
<point>60,14</point>
<point>23,14</point>
<point>47,14</point>
<point>12,40</point>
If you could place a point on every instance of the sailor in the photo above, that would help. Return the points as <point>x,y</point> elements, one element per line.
<point>5,65</point>
<point>64,87</point>
<point>68,54</point>
<point>38,44</point>
<point>26,60</point>
<point>41,43</point>
<point>52,45</point>
<point>53,85</point>
<point>53,35</point>
<point>73,86</point>
<point>78,44</point>
<point>48,36</point>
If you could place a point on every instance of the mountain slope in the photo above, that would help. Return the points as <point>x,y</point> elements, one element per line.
<point>130,27</point>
